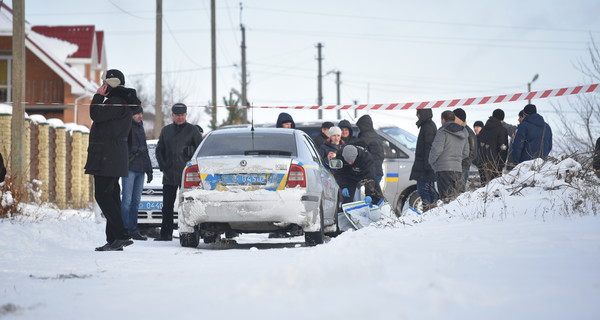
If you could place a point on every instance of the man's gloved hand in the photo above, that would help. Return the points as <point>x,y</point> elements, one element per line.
<point>149,175</point>
<point>345,193</point>
<point>368,199</point>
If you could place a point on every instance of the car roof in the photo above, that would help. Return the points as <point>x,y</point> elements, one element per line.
<point>237,130</point>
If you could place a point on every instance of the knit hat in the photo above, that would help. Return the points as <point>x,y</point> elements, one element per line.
<point>335,131</point>
<point>350,153</point>
<point>111,76</point>
<point>138,110</point>
<point>461,114</point>
<point>530,109</point>
<point>498,114</point>
<point>478,124</point>
<point>521,114</point>
<point>179,108</point>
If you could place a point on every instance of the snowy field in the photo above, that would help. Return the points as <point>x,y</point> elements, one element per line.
<point>525,247</point>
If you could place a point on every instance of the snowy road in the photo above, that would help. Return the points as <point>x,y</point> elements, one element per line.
<point>514,268</point>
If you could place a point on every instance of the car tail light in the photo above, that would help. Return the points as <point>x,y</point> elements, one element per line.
<point>296,177</point>
<point>191,177</point>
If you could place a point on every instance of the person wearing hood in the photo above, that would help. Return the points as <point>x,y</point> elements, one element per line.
<point>533,138</point>
<point>347,132</point>
<point>285,120</point>
<point>421,170</point>
<point>176,145</point>
<point>450,146</point>
<point>108,153</point>
<point>370,140</point>
<point>492,147</point>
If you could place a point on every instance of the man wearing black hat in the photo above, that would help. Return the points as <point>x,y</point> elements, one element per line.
<point>533,138</point>
<point>176,146</point>
<point>133,184</point>
<point>460,117</point>
<point>324,135</point>
<point>492,147</point>
<point>108,152</point>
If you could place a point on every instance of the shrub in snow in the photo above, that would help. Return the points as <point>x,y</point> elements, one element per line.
<point>11,194</point>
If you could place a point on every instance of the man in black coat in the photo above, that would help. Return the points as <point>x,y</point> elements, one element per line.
<point>2,169</point>
<point>461,119</point>
<point>421,170</point>
<point>492,147</point>
<point>360,168</point>
<point>370,140</point>
<point>324,135</point>
<point>596,159</point>
<point>108,153</point>
<point>175,147</point>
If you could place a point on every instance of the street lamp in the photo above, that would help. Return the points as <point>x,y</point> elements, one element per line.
<point>529,84</point>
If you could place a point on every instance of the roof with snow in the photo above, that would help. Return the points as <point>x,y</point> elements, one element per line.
<point>82,36</point>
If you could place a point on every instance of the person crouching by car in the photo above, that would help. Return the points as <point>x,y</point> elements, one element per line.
<point>175,147</point>
<point>361,170</point>
<point>133,184</point>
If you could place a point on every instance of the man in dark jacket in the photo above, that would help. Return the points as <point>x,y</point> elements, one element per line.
<point>450,146</point>
<point>533,138</point>
<point>2,169</point>
<point>285,120</point>
<point>324,135</point>
<point>175,147</point>
<point>347,132</point>
<point>370,140</point>
<point>133,184</point>
<point>596,158</point>
<point>492,144</point>
<point>108,154</point>
<point>360,169</point>
<point>421,170</point>
<point>460,117</point>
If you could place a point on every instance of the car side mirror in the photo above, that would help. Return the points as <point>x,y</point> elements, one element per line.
<point>335,164</point>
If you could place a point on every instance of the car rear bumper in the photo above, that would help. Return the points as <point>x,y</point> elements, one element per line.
<point>251,209</point>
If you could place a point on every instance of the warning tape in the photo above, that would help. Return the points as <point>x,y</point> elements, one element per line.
<point>544,94</point>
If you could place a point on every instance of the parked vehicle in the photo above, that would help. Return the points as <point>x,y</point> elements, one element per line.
<point>256,181</point>
<point>149,210</point>
<point>399,155</point>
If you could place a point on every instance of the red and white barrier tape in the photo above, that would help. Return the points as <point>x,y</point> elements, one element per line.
<point>454,103</point>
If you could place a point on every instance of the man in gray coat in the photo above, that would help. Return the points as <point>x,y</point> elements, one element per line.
<point>175,147</point>
<point>450,146</point>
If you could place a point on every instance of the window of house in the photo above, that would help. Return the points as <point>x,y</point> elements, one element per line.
<point>5,78</point>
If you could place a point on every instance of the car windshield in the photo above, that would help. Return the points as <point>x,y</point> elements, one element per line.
<point>246,143</point>
<point>152,154</point>
<point>403,137</point>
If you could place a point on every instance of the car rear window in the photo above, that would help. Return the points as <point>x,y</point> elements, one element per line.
<point>245,143</point>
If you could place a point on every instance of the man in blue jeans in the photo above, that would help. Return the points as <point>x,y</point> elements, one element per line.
<point>133,184</point>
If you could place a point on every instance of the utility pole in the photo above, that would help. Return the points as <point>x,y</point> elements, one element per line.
<point>159,118</point>
<point>320,82</point>
<point>337,82</point>
<point>244,82</point>
<point>213,51</point>
<point>17,152</point>
<point>529,85</point>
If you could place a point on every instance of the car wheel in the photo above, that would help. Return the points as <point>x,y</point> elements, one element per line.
<point>318,237</point>
<point>189,240</point>
<point>413,200</point>
<point>338,207</point>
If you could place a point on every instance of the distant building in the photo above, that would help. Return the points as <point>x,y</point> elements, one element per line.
<point>63,66</point>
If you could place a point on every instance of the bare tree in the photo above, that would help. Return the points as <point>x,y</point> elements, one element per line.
<point>579,137</point>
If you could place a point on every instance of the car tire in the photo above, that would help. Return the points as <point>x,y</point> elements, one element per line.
<point>189,240</point>
<point>317,237</point>
<point>413,200</point>
<point>338,208</point>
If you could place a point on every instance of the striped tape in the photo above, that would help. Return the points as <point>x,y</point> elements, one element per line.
<point>454,103</point>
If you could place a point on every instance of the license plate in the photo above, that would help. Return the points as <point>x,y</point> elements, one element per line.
<point>150,205</point>
<point>255,179</point>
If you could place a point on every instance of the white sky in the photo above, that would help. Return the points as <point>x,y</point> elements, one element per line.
<point>387,51</point>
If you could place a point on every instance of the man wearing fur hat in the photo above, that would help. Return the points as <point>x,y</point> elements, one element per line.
<point>492,143</point>
<point>176,145</point>
<point>108,154</point>
<point>533,138</point>
<point>133,184</point>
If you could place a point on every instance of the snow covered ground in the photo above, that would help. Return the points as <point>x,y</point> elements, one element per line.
<point>531,250</point>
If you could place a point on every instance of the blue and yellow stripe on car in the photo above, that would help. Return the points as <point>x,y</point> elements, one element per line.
<point>391,177</point>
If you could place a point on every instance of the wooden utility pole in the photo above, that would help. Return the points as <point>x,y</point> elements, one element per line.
<point>244,82</point>
<point>213,50</point>
<point>320,82</point>
<point>337,83</point>
<point>17,153</point>
<point>159,118</point>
